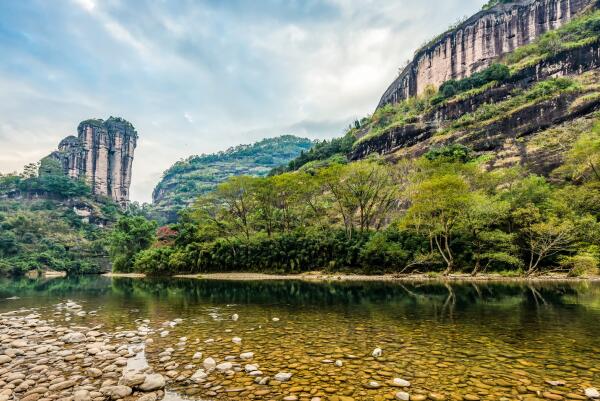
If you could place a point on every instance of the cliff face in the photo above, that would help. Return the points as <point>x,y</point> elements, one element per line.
<point>480,40</point>
<point>102,154</point>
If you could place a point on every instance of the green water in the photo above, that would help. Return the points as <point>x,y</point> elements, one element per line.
<point>490,341</point>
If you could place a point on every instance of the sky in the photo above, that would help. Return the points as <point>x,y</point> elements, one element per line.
<point>198,76</point>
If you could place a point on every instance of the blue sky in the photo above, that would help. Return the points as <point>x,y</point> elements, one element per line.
<point>199,76</point>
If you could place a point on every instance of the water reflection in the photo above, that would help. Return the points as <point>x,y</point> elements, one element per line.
<point>447,336</point>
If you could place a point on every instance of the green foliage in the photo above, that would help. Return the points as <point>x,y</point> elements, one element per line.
<point>336,148</point>
<point>497,73</point>
<point>541,91</point>
<point>583,160</point>
<point>451,153</point>
<point>439,214</point>
<point>492,3</point>
<point>131,235</point>
<point>39,229</point>
<point>187,179</point>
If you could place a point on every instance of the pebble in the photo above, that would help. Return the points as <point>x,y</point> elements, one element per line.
<point>402,396</point>
<point>592,393</point>
<point>283,376</point>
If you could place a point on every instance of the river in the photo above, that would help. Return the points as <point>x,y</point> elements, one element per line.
<point>505,341</point>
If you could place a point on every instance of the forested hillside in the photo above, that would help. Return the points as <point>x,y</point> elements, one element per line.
<point>49,221</point>
<point>197,175</point>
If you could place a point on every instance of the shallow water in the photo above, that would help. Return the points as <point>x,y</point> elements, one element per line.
<point>461,341</point>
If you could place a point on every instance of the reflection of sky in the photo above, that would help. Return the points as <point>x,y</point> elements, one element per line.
<point>200,76</point>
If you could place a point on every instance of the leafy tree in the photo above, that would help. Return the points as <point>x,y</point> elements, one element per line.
<point>130,236</point>
<point>437,205</point>
<point>547,238</point>
<point>583,160</point>
<point>481,221</point>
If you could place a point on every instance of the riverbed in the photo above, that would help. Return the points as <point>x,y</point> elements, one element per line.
<point>298,340</point>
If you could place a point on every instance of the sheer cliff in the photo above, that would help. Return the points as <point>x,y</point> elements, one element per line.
<point>102,154</point>
<point>479,41</point>
<point>523,107</point>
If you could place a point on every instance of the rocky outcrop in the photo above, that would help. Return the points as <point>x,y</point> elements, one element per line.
<point>572,62</point>
<point>102,154</point>
<point>480,40</point>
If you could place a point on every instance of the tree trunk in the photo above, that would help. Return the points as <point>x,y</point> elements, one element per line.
<point>476,268</point>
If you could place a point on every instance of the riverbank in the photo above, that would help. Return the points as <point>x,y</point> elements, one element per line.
<point>323,276</point>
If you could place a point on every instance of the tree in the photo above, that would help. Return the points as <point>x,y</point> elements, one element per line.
<point>364,193</point>
<point>548,237</point>
<point>235,195</point>
<point>437,205</point>
<point>131,235</point>
<point>583,160</point>
<point>480,222</point>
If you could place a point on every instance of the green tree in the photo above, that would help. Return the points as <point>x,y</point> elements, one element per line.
<point>583,160</point>
<point>131,235</point>
<point>483,215</point>
<point>437,206</point>
<point>364,193</point>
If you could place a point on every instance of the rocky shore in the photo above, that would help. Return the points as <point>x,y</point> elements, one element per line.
<point>324,276</point>
<point>43,361</point>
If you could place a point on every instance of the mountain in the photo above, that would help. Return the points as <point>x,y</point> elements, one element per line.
<point>183,182</point>
<point>516,83</point>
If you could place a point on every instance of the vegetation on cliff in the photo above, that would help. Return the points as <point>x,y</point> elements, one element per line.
<point>441,213</point>
<point>49,221</point>
<point>197,175</point>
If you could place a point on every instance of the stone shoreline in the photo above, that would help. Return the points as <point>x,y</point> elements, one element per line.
<point>320,276</point>
<point>41,360</point>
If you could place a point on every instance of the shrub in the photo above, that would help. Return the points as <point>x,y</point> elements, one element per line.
<point>580,264</point>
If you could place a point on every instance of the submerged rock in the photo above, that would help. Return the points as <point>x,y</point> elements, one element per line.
<point>132,379</point>
<point>283,376</point>
<point>116,392</point>
<point>199,375</point>
<point>402,396</point>
<point>592,393</point>
<point>153,382</point>
<point>400,382</point>
<point>247,355</point>
<point>209,364</point>
<point>74,337</point>
<point>225,366</point>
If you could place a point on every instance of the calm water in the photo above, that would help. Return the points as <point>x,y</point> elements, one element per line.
<point>484,341</point>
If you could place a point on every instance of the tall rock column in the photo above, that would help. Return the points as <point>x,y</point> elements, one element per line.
<point>102,155</point>
<point>102,168</point>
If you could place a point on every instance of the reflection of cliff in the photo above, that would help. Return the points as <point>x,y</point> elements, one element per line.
<point>477,42</point>
<point>102,154</point>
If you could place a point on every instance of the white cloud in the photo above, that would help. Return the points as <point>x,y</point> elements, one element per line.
<point>87,5</point>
